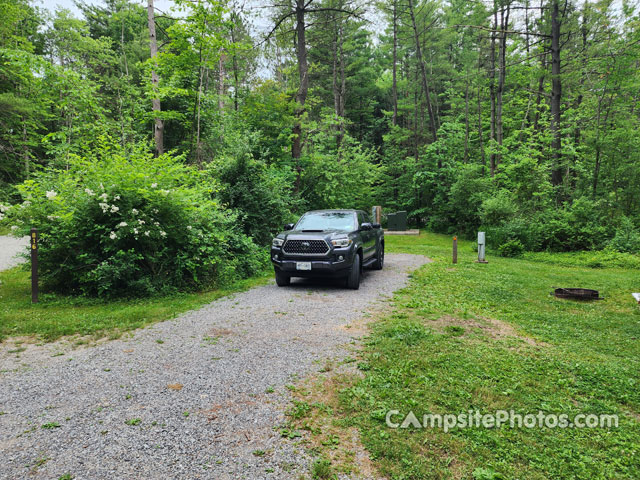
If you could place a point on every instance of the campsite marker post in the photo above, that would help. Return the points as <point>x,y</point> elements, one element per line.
<point>34,265</point>
<point>455,249</point>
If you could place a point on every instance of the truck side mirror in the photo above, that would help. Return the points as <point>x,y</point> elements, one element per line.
<point>288,226</point>
<point>376,225</point>
<point>366,226</point>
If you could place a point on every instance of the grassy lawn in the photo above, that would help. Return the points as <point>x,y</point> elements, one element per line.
<point>58,315</point>
<point>486,338</point>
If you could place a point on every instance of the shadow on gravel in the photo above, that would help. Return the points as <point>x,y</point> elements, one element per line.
<point>329,283</point>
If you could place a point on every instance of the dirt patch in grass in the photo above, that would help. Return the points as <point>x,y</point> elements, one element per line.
<point>323,422</point>
<point>493,328</point>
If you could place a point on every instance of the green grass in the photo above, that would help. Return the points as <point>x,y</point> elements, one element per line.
<point>58,315</point>
<point>489,337</point>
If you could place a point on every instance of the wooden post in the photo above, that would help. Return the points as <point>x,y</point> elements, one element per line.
<point>377,213</point>
<point>34,265</point>
<point>455,249</point>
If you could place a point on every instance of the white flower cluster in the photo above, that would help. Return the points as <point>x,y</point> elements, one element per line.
<point>51,194</point>
<point>3,210</point>
<point>137,226</point>
<point>108,208</point>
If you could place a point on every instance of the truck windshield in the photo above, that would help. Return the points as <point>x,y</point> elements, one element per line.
<point>344,221</point>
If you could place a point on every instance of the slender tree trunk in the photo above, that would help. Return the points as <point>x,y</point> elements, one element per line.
<point>556,94</point>
<point>124,53</point>
<point>25,149</point>
<point>221,88</point>
<point>480,136</point>
<point>536,119</point>
<point>492,91</point>
<point>416,108</point>
<point>158,130</point>
<point>343,87</point>
<point>423,71</point>
<point>394,84</point>
<point>466,121</point>
<point>338,84</point>
<point>303,89</point>
<point>234,64</point>
<point>502,73</point>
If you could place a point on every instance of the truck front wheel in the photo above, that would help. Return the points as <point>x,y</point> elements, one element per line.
<point>282,280</point>
<point>353,280</point>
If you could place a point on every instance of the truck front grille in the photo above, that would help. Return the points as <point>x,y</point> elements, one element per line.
<point>306,247</point>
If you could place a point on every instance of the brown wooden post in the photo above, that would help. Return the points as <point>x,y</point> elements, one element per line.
<point>34,265</point>
<point>378,214</point>
<point>455,249</point>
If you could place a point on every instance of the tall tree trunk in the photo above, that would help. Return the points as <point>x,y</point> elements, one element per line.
<point>543,67</point>
<point>466,121</point>
<point>492,91</point>
<point>339,84</point>
<point>480,135</point>
<point>423,71</point>
<point>25,149</point>
<point>502,73</point>
<point>234,64</point>
<point>158,129</point>
<point>343,87</point>
<point>394,84</point>
<point>221,83</point>
<point>556,95</point>
<point>303,89</point>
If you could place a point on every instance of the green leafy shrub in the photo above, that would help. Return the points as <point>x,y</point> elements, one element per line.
<point>498,209</point>
<point>341,179</point>
<point>627,237</point>
<point>606,258</point>
<point>132,225</point>
<point>512,248</point>
<point>260,194</point>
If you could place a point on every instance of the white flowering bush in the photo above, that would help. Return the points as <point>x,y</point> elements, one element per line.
<point>132,225</point>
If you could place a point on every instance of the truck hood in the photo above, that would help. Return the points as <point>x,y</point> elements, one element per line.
<point>312,234</point>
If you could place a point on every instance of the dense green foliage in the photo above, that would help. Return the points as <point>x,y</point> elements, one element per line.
<point>515,119</point>
<point>135,225</point>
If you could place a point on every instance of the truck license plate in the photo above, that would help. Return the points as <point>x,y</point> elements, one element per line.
<point>303,265</point>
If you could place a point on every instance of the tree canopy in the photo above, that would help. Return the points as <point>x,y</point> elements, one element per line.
<point>517,117</point>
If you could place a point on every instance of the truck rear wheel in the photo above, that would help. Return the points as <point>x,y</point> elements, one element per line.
<point>379,263</point>
<point>353,280</point>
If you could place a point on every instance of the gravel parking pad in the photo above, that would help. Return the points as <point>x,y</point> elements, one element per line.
<point>9,248</point>
<point>200,396</point>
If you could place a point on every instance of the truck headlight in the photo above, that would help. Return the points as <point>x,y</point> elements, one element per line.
<point>341,242</point>
<point>277,242</point>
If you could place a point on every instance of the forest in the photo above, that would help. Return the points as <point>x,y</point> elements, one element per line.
<point>520,118</point>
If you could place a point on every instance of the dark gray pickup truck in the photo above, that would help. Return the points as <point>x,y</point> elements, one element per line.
<point>328,243</point>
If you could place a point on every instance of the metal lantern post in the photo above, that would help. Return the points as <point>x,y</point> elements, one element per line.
<point>481,248</point>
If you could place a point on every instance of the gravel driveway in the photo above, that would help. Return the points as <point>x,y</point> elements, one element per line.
<point>187,398</point>
<point>9,248</point>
